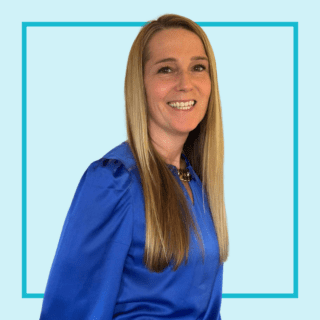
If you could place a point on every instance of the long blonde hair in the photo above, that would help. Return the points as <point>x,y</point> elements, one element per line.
<point>167,213</point>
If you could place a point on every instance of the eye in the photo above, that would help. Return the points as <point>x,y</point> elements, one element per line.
<point>201,66</point>
<point>167,67</point>
<point>160,70</point>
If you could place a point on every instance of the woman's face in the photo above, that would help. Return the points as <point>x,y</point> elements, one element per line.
<point>181,78</point>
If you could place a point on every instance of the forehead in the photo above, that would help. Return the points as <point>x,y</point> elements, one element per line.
<point>174,42</point>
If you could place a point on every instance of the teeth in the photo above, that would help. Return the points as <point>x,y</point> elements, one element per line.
<point>182,104</point>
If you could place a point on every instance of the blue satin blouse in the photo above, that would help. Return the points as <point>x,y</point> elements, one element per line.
<point>98,271</point>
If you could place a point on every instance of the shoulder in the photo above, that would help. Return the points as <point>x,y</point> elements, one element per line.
<point>113,170</point>
<point>108,173</point>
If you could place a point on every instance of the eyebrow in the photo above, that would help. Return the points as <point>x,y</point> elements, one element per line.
<point>173,59</point>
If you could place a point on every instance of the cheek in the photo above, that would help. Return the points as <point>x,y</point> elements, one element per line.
<point>151,93</point>
<point>157,92</point>
<point>205,85</point>
<point>208,88</point>
<point>161,88</point>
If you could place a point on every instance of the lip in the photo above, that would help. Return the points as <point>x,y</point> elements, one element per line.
<point>181,101</point>
<point>187,110</point>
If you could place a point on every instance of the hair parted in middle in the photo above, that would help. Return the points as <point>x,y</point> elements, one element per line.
<point>167,213</point>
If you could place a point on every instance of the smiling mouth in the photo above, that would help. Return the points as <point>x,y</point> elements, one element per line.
<point>182,104</point>
<point>195,101</point>
<point>183,108</point>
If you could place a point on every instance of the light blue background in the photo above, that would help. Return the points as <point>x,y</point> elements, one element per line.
<point>75,114</point>
<point>75,98</point>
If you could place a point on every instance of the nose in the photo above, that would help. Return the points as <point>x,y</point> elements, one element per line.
<point>184,81</point>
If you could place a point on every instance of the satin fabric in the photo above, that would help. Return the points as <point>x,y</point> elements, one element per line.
<point>98,271</point>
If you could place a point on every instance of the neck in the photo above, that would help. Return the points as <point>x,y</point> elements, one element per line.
<point>182,164</point>
<point>170,151</point>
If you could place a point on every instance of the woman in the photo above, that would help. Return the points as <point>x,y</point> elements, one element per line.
<point>127,231</point>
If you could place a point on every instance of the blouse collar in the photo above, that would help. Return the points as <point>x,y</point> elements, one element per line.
<point>188,165</point>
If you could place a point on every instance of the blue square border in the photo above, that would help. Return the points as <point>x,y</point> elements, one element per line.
<point>294,25</point>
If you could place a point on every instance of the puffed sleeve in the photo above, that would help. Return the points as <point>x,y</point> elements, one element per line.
<point>86,272</point>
